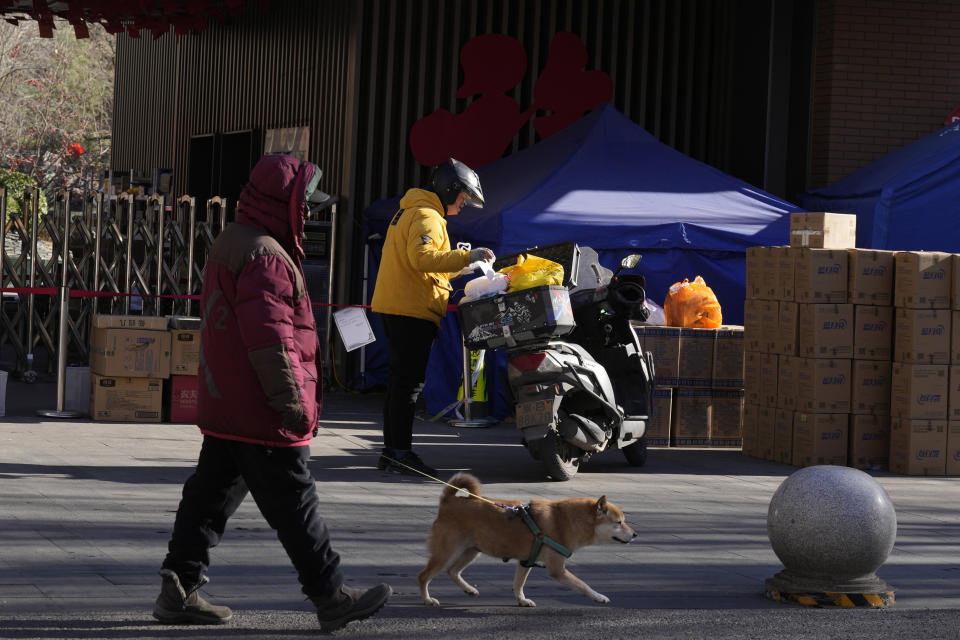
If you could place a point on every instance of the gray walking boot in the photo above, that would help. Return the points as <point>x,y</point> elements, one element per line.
<point>348,604</point>
<point>176,605</point>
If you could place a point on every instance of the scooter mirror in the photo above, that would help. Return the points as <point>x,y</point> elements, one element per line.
<point>630,261</point>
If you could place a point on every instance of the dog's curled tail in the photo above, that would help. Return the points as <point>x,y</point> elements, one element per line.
<point>461,481</point>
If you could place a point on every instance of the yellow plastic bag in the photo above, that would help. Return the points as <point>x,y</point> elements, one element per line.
<point>533,272</point>
<point>692,304</point>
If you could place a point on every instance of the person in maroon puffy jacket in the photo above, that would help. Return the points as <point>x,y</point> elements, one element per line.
<point>259,398</point>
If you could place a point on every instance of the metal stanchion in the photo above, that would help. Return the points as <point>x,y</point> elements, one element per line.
<point>468,419</point>
<point>63,344</point>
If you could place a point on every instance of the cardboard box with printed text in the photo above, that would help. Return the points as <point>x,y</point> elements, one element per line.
<point>918,447</point>
<point>869,444</point>
<point>819,438</point>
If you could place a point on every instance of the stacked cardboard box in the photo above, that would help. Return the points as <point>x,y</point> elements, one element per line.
<point>181,389</point>
<point>129,358</point>
<point>919,400</point>
<point>799,324</point>
<point>866,354</point>
<point>699,395</point>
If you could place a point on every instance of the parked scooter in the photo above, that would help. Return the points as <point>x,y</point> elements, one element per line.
<point>580,380</point>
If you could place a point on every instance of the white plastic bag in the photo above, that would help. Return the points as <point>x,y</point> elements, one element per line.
<point>483,286</point>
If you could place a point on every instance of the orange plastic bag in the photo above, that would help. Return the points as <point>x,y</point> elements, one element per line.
<point>692,304</point>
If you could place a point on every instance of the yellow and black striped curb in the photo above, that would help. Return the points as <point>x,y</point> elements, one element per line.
<point>828,599</point>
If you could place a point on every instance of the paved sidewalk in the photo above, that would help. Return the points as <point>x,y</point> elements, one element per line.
<point>86,509</point>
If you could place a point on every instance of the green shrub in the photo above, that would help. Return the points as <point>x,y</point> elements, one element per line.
<point>17,185</point>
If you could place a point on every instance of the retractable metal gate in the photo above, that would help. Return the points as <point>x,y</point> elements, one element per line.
<point>96,254</point>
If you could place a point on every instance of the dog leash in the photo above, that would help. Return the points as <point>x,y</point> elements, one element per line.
<point>539,537</point>
<point>459,489</point>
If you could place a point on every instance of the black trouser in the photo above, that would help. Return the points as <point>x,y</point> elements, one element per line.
<point>410,341</point>
<point>284,490</point>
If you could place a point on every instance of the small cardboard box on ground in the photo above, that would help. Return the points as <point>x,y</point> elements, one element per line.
<point>870,387</point>
<point>821,276</point>
<point>691,417</point>
<point>823,386</point>
<point>76,389</point>
<point>919,391</point>
<point>728,358</point>
<point>664,344</point>
<point>869,444</point>
<point>825,331</point>
<point>658,428</point>
<point>922,280</point>
<point>822,229</point>
<point>783,436</point>
<point>922,336</point>
<point>726,418</point>
<point>183,399</point>
<point>820,438</point>
<point>125,399</point>
<point>918,447</point>
<point>130,346</point>
<point>184,345</point>
<point>953,448</point>
<point>751,413</point>
<point>870,278</point>
<point>872,332</point>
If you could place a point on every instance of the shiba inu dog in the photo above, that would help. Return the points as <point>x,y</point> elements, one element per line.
<point>467,526</point>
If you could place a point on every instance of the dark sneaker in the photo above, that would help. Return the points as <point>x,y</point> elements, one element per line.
<point>408,463</point>
<point>349,604</point>
<point>176,605</point>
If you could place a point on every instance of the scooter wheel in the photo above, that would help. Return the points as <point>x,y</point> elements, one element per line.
<point>636,453</point>
<point>557,457</point>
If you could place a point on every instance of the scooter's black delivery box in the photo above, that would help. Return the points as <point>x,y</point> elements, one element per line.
<point>510,319</point>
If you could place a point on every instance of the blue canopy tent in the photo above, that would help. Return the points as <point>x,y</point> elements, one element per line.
<point>606,183</point>
<point>907,200</point>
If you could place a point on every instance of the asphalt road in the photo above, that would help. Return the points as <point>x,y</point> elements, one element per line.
<point>86,509</point>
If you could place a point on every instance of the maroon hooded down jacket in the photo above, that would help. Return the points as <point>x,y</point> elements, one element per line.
<point>259,378</point>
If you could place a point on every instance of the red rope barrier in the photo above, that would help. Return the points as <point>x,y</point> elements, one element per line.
<point>81,293</point>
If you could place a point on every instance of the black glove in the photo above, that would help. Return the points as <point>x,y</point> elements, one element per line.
<point>482,253</point>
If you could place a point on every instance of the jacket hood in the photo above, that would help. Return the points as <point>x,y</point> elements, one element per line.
<point>274,197</point>
<point>422,198</point>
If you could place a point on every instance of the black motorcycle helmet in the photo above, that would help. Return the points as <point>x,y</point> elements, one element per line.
<point>452,178</point>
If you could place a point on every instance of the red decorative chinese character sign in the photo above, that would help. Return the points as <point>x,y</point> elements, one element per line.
<point>492,65</point>
<point>954,115</point>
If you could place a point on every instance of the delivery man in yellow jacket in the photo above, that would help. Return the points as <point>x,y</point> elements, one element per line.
<point>413,287</point>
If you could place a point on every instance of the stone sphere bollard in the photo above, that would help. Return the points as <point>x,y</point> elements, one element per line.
<point>832,527</point>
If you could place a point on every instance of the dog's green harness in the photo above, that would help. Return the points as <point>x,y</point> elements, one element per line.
<point>539,537</point>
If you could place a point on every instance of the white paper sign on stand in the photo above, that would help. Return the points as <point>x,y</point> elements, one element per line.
<point>353,327</point>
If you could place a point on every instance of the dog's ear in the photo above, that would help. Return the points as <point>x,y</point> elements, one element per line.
<point>602,506</point>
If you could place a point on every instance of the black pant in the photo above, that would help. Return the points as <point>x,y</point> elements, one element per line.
<point>283,488</point>
<point>410,341</point>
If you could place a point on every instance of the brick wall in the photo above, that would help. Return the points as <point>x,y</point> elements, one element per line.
<point>886,73</point>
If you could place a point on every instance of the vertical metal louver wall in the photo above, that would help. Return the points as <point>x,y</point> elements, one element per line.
<point>361,73</point>
<point>282,67</point>
<point>671,61</point>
